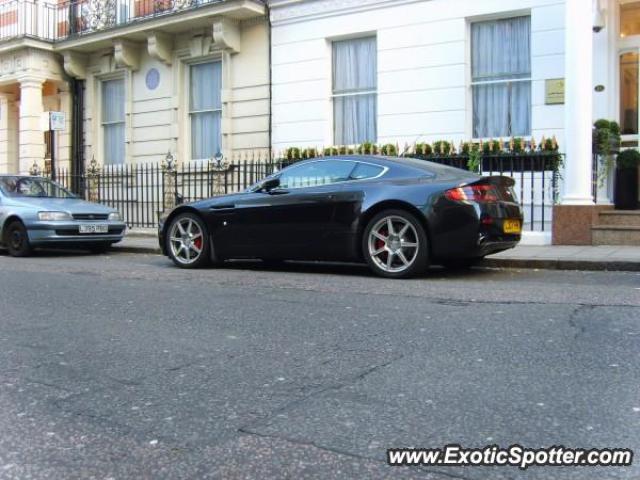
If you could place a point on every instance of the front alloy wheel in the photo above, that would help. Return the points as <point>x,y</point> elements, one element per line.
<point>395,244</point>
<point>187,241</point>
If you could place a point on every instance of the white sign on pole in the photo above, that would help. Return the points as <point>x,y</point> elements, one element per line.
<point>56,120</point>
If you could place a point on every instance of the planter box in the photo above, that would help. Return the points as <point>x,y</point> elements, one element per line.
<point>625,190</point>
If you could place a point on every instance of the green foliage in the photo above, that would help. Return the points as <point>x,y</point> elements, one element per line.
<point>492,147</point>
<point>441,147</point>
<point>517,145</point>
<point>309,153</point>
<point>469,147</point>
<point>368,148</point>
<point>389,149</point>
<point>474,162</point>
<point>344,150</point>
<point>628,158</point>
<point>606,141</point>
<point>293,153</point>
<point>330,151</point>
<point>423,149</point>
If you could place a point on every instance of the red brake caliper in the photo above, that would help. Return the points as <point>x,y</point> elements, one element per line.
<point>380,243</point>
<point>198,243</point>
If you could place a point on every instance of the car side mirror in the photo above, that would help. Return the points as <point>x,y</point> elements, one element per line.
<point>270,183</point>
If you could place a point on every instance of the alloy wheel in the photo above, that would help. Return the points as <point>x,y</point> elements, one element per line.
<point>393,244</point>
<point>186,240</point>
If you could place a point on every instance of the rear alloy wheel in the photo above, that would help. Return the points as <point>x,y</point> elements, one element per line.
<point>17,240</point>
<point>187,241</point>
<point>395,245</point>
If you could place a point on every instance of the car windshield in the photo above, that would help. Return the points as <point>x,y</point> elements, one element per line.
<point>32,187</point>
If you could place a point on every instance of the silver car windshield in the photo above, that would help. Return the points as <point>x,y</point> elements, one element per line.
<point>33,187</point>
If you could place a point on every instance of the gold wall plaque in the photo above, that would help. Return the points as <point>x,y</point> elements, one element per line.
<point>554,91</point>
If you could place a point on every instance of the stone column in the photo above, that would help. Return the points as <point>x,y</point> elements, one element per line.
<point>578,102</point>
<point>31,137</point>
<point>6,160</point>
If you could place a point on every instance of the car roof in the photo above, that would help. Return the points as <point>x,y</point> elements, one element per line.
<point>412,166</point>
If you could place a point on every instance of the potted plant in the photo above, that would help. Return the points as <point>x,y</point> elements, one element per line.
<point>605,141</point>
<point>625,192</point>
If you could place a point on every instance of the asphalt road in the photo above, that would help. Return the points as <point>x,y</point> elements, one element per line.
<point>122,366</point>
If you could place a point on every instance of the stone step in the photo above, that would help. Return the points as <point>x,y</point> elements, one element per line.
<point>629,218</point>
<point>615,235</point>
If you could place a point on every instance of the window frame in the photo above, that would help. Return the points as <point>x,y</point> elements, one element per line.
<point>190,112</point>
<point>103,123</point>
<point>355,93</point>
<point>473,83</point>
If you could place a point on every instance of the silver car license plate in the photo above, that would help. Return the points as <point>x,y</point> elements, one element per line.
<point>94,228</point>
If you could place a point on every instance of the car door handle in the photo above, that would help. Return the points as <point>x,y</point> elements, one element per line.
<point>222,207</point>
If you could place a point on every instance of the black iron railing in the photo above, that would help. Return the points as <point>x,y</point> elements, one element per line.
<point>63,20</point>
<point>139,192</point>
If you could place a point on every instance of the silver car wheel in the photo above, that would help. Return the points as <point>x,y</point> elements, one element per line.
<point>393,244</point>
<point>186,240</point>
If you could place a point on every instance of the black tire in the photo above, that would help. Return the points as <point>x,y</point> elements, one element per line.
<point>99,248</point>
<point>203,257</point>
<point>420,260</point>
<point>17,240</point>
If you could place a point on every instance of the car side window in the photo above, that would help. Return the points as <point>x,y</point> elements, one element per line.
<point>366,170</point>
<point>321,172</point>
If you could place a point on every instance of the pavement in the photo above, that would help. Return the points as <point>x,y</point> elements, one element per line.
<point>122,366</point>
<point>552,257</point>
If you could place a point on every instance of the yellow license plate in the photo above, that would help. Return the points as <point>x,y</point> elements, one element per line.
<point>511,226</point>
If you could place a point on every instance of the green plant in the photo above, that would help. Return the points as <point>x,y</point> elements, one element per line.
<point>628,158</point>
<point>606,141</point>
<point>516,145</point>
<point>441,147</point>
<point>367,148</point>
<point>423,149</point>
<point>344,150</point>
<point>389,149</point>
<point>474,163</point>
<point>309,153</point>
<point>492,147</point>
<point>293,153</point>
<point>331,151</point>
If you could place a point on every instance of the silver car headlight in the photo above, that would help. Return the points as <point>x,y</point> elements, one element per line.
<point>115,216</point>
<point>54,216</point>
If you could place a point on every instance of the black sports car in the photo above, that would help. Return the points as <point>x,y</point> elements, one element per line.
<point>397,214</point>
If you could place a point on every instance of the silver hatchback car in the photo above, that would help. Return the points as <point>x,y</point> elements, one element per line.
<point>36,212</point>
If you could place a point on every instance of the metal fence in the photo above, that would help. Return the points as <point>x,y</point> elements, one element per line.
<point>140,192</point>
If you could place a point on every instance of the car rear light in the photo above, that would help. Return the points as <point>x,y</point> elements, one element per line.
<point>473,193</point>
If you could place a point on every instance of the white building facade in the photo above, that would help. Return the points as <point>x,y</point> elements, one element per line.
<point>407,71</point>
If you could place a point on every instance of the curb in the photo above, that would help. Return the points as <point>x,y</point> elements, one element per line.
<point>523,263</point>
<point>135,249</point>
<point>561,264</point>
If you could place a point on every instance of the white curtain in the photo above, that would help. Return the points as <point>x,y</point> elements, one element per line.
<point>206,110</point>
<point>354,72</point>
<point>113,121</point>
<point>501,74</point>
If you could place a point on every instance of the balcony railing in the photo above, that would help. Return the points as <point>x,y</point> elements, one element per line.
<point>63,20</point>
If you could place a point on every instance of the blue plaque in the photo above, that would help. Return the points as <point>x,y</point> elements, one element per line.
<point>152,79</point>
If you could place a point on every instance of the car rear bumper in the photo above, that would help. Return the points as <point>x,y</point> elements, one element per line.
<point>67,233</point>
